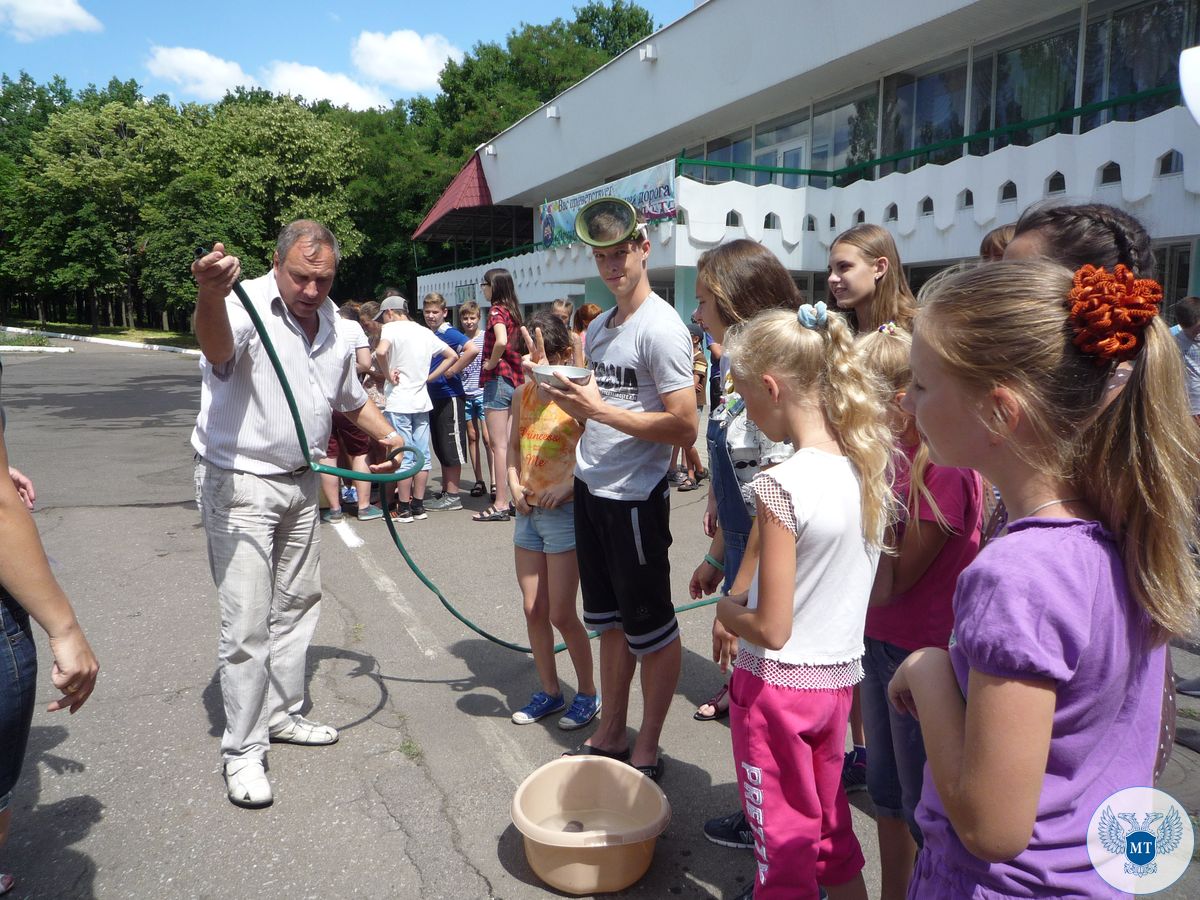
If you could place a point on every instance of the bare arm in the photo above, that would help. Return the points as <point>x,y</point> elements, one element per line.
<point>382,356</point>
<point>501,332</point>
<point>25,572</point>
<point>769,625</point>
<point>469,352</point>
<point>362,360</point>
<point>676,425</point>
<point>987,757</point>
<point>215,275</point>
<point>448,358</point>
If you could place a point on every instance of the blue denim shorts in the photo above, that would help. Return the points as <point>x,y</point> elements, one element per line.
<point>474,408</point>
<point>896,751</point>
<point>497,393</point>
<point>18,682</point>
<point>547,530</point>
<point>414,428</point>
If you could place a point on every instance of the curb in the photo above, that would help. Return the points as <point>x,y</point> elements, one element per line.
<point>108,342</point>
<point>6,348</point>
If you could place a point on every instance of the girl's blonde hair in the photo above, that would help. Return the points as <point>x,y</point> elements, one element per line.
<point>893,300</point>
<point>883,354</point>
<point>1136,459</point>
<point>774,342</point>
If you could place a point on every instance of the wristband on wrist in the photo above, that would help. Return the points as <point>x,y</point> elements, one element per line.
<point>391,434</point>
<point>719,566</point>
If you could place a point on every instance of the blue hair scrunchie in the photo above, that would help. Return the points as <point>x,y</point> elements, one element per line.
<point>813,316</point>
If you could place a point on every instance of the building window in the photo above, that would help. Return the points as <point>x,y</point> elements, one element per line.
<point>732,148</point>
<point>927,206</point>
<point>966,200</point>
<point>1008,191</point>
<point>771,222</point>
<point>922,109</point>
<point>696,173</point>
<point>1131,50</point>
<point>843,134</point>
<point>810,223</point>
<point>1025,79</point>
<point>832,222</point>
<point>733,219</point>
<point>1170,163</point>
<point>892,213</point>
<point>860,217</point>
<point>783,142</point>
<point>1110,173</point>
<point>1056,184</point>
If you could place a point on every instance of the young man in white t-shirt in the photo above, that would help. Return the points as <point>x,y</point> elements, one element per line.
<point>404,351</point>
<point>640,404</point>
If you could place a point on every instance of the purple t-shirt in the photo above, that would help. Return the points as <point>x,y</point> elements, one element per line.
<point>1050,601</point>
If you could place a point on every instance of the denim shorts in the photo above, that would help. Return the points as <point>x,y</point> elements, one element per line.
<point>414,428</point>
<point>547,530</point>
<point>474,408</point>
<point>497,393</point>
<point>18,683</point>
<point>896,754</point>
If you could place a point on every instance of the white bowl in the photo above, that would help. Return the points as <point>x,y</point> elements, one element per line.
<point>545,374</point>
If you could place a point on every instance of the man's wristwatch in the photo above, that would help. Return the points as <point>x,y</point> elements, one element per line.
<point>391,434</point>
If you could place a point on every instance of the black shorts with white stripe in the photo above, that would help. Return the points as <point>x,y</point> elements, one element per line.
<point>448,430</point>
<point>624,568</point>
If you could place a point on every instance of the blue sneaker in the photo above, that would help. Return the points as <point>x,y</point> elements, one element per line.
<point>349,496</point>
<point>583,709</point>
<point>539,706</point>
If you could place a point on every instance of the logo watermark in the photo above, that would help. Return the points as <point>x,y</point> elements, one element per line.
<point>1140,840</point>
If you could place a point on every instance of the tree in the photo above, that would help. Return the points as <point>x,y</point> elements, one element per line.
<point>612,29</point>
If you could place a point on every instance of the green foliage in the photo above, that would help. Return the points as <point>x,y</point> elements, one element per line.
<point>105,194</point>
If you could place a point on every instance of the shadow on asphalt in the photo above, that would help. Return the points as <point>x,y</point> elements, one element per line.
<point>163,400</point>
<point>39,852</point>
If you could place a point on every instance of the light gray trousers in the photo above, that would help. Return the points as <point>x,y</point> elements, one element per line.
<point>264,553</point>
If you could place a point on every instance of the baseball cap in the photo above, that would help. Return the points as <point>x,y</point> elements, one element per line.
<point>392,303</point>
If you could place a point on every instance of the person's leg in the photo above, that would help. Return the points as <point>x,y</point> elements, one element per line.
<point>897,850</point>
<point>331,485</point>
<point>840,860</point>
<point>616,675</point>
<point>239,517</point>
<point>420,433</point>
<point>473,449</point>
<point>456,446</point>
<point>362,488</point>
<point>531,577</point>
<point>562,571</point>
<point>660,676</point>
<point>295,609</point>
<point>497,426</point>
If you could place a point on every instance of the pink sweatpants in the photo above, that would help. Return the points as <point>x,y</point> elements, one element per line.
<point>788,746</point>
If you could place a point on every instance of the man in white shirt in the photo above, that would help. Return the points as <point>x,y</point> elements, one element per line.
<point>1187,314</point>
<point>256,492</point>
<point>404,351</point>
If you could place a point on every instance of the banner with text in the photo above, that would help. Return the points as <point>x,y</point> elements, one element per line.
<point>651,191</point>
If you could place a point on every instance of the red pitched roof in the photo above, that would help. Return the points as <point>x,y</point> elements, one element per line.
<point>469,189</point>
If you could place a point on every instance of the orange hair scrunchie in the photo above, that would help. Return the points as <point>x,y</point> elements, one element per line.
<point>1109,311</point>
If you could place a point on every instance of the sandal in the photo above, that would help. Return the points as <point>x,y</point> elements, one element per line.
<point>653,772</point>
<point>6,883</point>
<point>492,492</point>
<point>687,485</point>
<point>491,514</point>
<point>589,750</point>
<point>719,711</point>
<point>478,490</point>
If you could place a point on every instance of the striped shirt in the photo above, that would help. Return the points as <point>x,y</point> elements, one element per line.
<point>470,375</point>
<point>244,422</point>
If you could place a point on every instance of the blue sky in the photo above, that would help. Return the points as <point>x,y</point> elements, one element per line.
<point>359,53</point>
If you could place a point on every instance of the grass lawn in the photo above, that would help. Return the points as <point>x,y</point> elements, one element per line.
<point>135,335</point>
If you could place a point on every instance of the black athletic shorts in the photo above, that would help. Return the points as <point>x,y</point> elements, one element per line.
<point>624,569</point>
<point>448,430</point>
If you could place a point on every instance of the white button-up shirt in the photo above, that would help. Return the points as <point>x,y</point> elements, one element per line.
<point>244,422</point>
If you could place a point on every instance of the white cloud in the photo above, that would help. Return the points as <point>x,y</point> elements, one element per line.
<point>28,20</point>
<point>198,73</point>
<point>403,59</point>
<point>312,83</point>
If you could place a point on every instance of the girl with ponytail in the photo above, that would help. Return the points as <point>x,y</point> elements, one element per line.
<point>1048,699</point>
<point>822,517</point>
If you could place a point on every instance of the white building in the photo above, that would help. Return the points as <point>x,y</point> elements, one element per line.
<point>800,84</point>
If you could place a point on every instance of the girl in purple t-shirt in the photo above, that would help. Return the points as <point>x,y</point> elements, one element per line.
<point>910,604</point>
<point>1048,700</point>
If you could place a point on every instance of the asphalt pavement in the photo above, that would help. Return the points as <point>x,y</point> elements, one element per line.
<point>125,799</point>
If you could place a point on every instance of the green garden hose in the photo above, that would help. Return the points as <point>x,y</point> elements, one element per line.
<point>382,478</point>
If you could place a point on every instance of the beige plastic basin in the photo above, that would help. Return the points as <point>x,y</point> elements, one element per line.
<point>590,824</point>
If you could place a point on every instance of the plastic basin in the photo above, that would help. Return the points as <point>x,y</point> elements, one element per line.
<point>545,374</point>
<point>589,823</point>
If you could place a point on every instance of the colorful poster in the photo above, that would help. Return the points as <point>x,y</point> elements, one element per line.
<point>652,191</point>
